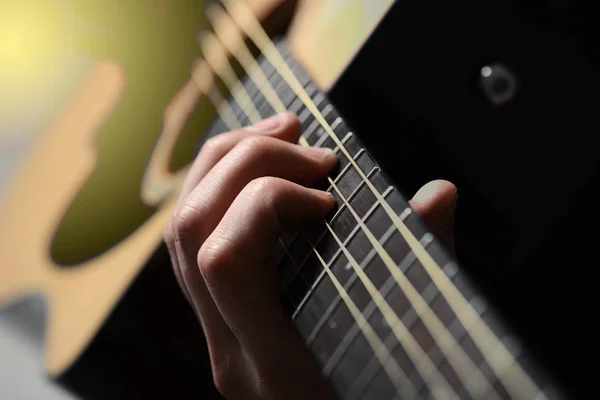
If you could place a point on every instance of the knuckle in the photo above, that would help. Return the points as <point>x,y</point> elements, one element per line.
<point>213,146</point>
<point>184,223</point>
<point>255,146</point>
<point>215,256</point>
<point>264,188</point>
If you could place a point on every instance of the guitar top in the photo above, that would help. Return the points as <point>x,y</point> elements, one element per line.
<point>480,94</point>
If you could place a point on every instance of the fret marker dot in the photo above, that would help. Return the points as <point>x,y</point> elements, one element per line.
<point>332,324</point>
<point>348,267</point>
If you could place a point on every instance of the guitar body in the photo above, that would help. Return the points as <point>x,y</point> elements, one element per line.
<point>79,233</point>
<point>408,78</point>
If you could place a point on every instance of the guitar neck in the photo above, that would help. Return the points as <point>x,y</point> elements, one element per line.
<point>379,301</point>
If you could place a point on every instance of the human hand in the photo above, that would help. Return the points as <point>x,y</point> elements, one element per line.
<point>244,189</point>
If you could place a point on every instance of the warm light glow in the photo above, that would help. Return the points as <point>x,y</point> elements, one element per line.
<point>31,34</point>
<point>34,57</point>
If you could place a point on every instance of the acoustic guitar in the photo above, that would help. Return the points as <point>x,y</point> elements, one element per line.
<point>498,97</point>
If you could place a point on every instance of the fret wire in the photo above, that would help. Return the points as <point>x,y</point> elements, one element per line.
<point>326,111</point>
<point>341,176</point>
<point>298,268</point>
<point>375,342</point>
<point>351,236</point>
<point>223,108</point>
<point>266,84</point>
<point>482,335</point>
<point>218,61</point>
<point>388,363</point>
<point>304,116</point>
<point>425,367</point>
<point>344,140</point>
<point>320,96</point>
<point>311,128</point>
<point>293,108</point>
<point>338,213</point>
<point>460,361</point>
<point>321,140</point>
<point>321,275</point>
<point>336,123</point>
<point>335,216</point>
<point>334,304</point>
<point>346,203</point>
<point>386,288</point>
<point>464,359</point>
<point>401,232</point>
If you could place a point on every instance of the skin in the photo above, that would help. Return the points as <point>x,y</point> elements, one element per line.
<point>244,189</point>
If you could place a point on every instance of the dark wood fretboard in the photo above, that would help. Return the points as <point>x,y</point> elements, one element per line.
<point>461,365</point>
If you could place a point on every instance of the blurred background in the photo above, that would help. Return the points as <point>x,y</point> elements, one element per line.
<point>48,49</point>
<point>39,69</point>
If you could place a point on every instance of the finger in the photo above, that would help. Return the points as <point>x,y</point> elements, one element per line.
<point>282,126</point>
<point>285,126</point>
<point>252,158</point>
<point>205,206</point>
<point>233,262</point>
<point>436,203</point>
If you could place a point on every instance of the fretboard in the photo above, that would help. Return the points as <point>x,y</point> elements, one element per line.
<point>416,329</point>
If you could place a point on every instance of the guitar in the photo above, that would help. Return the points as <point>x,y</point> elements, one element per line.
<point>430,90</point>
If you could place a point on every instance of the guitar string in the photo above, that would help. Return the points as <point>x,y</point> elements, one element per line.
<point>459,360</point>
<point>211,91</point>
<point>496,353</point>
<point>423,363</point>
<point>219,63</point>
<point>397,376</point>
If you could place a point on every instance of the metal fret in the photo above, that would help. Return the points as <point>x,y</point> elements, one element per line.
<point>337,123</point>
<point>334,304</point>
<point>303,261</point>
<point>405,265</point>
<point>306,290</point>
<point>337,254</point>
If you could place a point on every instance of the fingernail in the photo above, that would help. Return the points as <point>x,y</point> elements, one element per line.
<point>325,195</point>
<point>329,197</point>
<point>269,124</point>
<point>320,153</point>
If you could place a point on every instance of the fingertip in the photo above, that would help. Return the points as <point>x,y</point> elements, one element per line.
<point>322,155</point>
<point>436,203</point>
<point>325,198</point>
<point>291,126</point>
<point>328,198</point>
<point>284,125</point>
<point>435,195</point>
<point>290,118</point>
<point>267,125</point>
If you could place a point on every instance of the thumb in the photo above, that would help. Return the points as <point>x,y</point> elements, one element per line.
<point>436,205</point>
